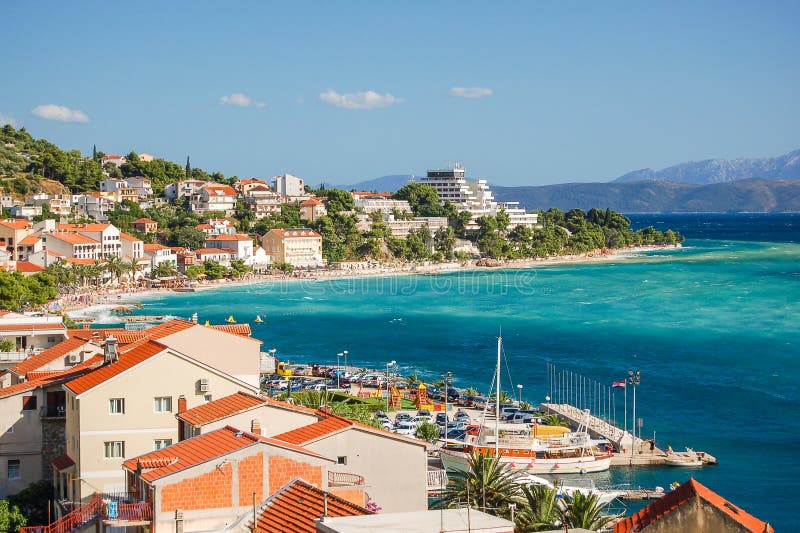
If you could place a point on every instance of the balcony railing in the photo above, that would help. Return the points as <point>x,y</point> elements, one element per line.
<point>107,507</point>
<point>344,479</point>
<point>127,512</point>
<point>53,411</point>
<point>437,479</point>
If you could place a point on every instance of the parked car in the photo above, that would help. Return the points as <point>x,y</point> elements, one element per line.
<point>402,416</point>
<point>462,415</point>
<point>523,415</point>
<point>406,427</point>
<point>507,413</point>
<point>441,418</point>
<point>423,412</point>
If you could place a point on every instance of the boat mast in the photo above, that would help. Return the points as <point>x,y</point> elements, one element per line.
<point>497,399</point>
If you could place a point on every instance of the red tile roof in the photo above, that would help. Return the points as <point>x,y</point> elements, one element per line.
<point>154,247</point>
<point>234,404</point>
<point>71,238</point>
<point>294,233</point>
<point>82,227</point>
<point>109,370</point>
<point>688,491</point>
<point>76,261</point>
<point>311,201</point>
<point>15,223</point>
<point>295,507</point>
<point>47,356</point>
<point>367,193</point>
<point>62,462</point>
<point>64,375</point>
<point>229,237</point>
<point>197,450</point>
<point>31,327</point>
<point>212,251</point>
<point>204,226</point>
<point>220,189</point>
<point>326,426</point>
<point>126,237</point>
<point>144,221</point>
<point>30,240</point>
<point>243,330</point>
<point>27,266</point>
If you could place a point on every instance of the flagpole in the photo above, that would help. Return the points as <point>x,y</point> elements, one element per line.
<point>625,417</point>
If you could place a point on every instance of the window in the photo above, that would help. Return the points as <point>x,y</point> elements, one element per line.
<point>161,443</point>
<point>116,406</point>
<point>162,404</point>
<point>13,469</point>
<point>29,403</point>
<point>114,449</point>
<point>51,340</point>
<point>207,397</point>
<point>341,460</point>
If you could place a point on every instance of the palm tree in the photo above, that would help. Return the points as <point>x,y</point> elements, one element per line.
<point>488,485</point>
<point>540,510</point>
<point>133,267</point>
<point>165,269</point>
<point>97,269</point>
<point>583,511</point>
<point>115,266</point>
<point>555,420</point>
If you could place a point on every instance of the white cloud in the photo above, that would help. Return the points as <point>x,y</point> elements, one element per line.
<point>60,113</point>
<point>5,119</point>
<point>470,92</point>
<point>364,100</point>
<point>241,100</point>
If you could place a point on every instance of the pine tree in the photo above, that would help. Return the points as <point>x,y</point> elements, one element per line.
<point>94,152</point>
<point>188,168</point>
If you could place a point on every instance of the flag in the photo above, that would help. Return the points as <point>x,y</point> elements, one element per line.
<point>618,384</point>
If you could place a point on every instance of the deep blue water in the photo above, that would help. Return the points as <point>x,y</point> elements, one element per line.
<point>713,327</point>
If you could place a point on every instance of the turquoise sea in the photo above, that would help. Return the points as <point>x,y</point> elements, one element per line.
<point>713,327</point>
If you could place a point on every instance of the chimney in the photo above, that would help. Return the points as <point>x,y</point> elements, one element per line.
<point>194,318</point>
<point>110,350</point>
<point>181,423</point>
<point>255,427</point>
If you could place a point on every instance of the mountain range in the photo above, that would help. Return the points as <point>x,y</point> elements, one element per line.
<point>714,185</point>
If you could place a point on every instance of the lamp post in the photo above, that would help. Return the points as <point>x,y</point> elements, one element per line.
<point>390,363</point>
<point>338,371</point>
<point>446,378</point>
<point>519,388</point>
<point>634,377</point>
<point>345,359</point>
<point>547,399</point>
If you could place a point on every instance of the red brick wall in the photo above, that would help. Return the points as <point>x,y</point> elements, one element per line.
<point>282,471</point>
<point>206,491</point>
<point>251,479</point>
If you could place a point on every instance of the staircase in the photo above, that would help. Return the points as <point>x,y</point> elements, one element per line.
<point>138,513</point>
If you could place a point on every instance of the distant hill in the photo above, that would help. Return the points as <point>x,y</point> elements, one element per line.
<point>658,196</point>
<point>382,184</point>
<point>784,167</point>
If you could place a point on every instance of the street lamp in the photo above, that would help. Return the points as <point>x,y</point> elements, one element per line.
<point>345,352</point>
<point>390,363</point>
<point>547,399</point>
<point>634,377</point>
<point>338,371</point>
<point>447,378</point>
<point>519,388</point>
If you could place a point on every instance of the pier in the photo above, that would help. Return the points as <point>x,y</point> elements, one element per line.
<point>629,450</point>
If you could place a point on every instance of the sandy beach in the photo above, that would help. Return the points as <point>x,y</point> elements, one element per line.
<point>100,303</point>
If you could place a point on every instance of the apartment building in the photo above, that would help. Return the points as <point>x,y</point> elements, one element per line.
<point>240,245</point>
<point>132,248</point>
<point>222,256</point>
<point>30,334</point>
<point>216,227</point>
<point>312,209</point>
<point>144,225</point>
<point>378,203</point>
<point>182,189</point>
<point>243,187</point>
<point>158,253</point>
<point>297,247</point>
<point>401,228</point>
<point>213,197</point>
<point>12,231</point>
<point>125,408</point>
<point>288,185</point>
<point>106,234</point>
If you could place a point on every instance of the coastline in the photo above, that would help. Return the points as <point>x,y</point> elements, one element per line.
<point>96,302</point>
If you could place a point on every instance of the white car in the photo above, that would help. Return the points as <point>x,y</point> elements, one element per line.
<point>419,420</point>
<point>406,427</point>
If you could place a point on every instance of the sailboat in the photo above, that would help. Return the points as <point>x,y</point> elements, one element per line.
<point>231,320</point>
<point>522,448</point>
<point>258,319</point>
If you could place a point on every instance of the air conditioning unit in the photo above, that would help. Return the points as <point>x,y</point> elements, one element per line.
<point>204,385</point>
<point>74,358</point>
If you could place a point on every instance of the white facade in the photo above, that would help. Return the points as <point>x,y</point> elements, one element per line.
<point>240,245</point>
<point>158,254</point>
<point>375,204</point>
<point>401,228</point>
<point>182,189</point>
<point>288,185</point>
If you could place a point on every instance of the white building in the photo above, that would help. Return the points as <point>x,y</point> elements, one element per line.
<point>94,205</point>
<point>182,189</point>
<point>214,197</point>
<point>216,227</point>
<point>288,185</point>
<point>240,245</point>
<point>474,196</point>
<point>297,247</point>
<point>401,228</point>
<point>380,204</point>
<point>158,254</point>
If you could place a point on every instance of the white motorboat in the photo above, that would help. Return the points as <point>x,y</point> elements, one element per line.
<point>687,458</point>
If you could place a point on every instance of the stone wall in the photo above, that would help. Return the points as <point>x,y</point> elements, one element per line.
<point>54,443</point>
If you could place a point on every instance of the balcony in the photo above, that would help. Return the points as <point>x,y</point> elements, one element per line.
<point>53,411</point>
<point>437,480</point>
<point>344,479</point>
<point>107,508</point>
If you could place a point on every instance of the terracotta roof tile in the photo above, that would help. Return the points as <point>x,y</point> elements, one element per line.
<point>144,221</point>
<point>233,404</point>
<point>71,238</point>
<point>47,356</point>
<point>243,330</point>
<point>15,223</point>
<point>27,266</point>
<point>212,251</point>
<point>32,327</point>
<point>77,261</point>
<point>311,432</point>
<point>295,233</point>
<point>30,240</point>
<point>82,227</point>
<point>62,462</point>
<point>29,385</point>
<point>198,450</point>
<point>126,237</point>
<point>681,495</point>
<point>109,370</point>
<point>311,201</point>
<point>154,247</point>
<point>229,237</point>
<point>295,507</point>
<point>220,190</point>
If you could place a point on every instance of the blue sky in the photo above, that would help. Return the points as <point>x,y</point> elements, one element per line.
<point>519,92</point>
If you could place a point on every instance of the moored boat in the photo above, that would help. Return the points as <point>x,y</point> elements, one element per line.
<point>687,458</point>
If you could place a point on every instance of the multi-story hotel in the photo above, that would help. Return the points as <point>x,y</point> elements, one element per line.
<point>474,196</point>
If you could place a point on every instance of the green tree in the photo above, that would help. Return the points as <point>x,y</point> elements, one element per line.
<point>428,432</point>
<point>115,266</point>
<point>187,237</point>
<point>193,271</point>
<point>165,269</point>
<point>6,345</point>
<point>188,170</point>
<point>11,519</point>
<point>32,502</point>
<point>339,200</point>
<point>214,270</point>
<point>539,510</point>
<point>555,420</point>
<point>423,199</point>
<point>487,484</point>
<point>584,511</point>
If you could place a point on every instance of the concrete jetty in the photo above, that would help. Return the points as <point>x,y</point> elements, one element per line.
<point>629,450</point>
